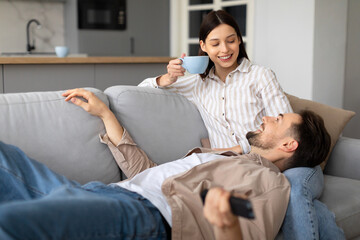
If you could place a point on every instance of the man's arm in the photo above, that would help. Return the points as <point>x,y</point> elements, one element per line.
<point>96,107</point>
<point>217,211</point>
<point>129,157</point>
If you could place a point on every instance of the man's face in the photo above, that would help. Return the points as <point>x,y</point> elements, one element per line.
<point>272,130</point>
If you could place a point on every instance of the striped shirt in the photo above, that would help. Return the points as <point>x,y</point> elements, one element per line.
<point>233,108</point>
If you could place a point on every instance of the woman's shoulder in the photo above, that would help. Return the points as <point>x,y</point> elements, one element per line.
<point>257,67</point>
<point>252,67</point>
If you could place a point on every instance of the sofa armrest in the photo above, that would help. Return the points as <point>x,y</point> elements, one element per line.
<point>344,160</point>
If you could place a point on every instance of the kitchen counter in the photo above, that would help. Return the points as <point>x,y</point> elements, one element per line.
<point>81,60</point>
<point>49,73</point>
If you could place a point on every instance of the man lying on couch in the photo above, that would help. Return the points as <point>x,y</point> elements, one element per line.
<point>40,204</point>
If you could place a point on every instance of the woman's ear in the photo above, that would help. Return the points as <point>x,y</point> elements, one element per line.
<point>202,46</point>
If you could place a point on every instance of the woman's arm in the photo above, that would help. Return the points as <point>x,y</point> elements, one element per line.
<point>274,99</point>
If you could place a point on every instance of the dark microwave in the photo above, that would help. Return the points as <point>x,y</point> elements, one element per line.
<point>102,14</point>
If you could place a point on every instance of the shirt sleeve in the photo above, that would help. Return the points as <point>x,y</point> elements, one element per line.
<point>149,82</point>
<point>184,85</point>
<point>130,158</point>
<point>274,99</point>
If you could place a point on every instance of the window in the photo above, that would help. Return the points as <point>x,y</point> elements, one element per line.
<point>187,15</point>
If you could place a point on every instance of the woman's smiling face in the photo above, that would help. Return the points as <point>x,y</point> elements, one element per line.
<point>222,46</point>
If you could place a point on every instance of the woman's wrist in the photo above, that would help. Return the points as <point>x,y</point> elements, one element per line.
<point>164,80</point>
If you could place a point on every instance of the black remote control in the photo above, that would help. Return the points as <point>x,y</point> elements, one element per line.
<point>239,206</point>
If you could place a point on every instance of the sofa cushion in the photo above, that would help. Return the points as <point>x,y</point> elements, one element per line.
<point>344,159</point>
<point>59,134</point>
<point>164,124</point>
<point>335,118</point>
<point>342,196</point>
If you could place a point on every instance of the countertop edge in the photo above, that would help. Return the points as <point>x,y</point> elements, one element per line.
<point>82,60</point>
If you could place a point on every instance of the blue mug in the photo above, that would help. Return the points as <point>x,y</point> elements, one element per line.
<point>195,64</point>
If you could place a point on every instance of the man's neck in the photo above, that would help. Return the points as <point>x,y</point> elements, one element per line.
<point>271,155</point>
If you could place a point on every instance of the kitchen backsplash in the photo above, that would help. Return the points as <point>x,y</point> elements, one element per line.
<point>14,16</point>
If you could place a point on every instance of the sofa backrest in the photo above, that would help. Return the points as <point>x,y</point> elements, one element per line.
<point>59,134</point>
<point>164,124</point>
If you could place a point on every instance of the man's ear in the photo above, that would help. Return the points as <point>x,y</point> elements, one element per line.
<point>202,45</point>
<point>290,145</point>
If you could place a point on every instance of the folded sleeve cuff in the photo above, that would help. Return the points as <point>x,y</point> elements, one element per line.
<point>129,157</point>
<point>125,139</point>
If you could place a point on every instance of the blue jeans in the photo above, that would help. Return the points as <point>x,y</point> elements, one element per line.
<point>36,203</point>
<point>306,217</point>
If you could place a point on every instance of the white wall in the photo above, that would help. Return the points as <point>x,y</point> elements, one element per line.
<point>14,16</point>
<point>304,42</point>
<point>329,51</point>
<point>283,41</point>
<point>352,70</point>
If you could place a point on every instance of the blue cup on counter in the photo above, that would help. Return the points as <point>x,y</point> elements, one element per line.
<point>195,64</point>
<point>61,51</point>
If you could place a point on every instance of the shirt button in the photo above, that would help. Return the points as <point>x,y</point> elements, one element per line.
<point>233,134</point>
<point>223,114</point>
<point>223,98</point>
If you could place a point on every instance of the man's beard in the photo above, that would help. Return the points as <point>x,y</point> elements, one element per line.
<point>255,141</point>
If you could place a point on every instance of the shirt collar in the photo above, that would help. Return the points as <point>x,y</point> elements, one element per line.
<point>252,156</point>
<point>244,67</point>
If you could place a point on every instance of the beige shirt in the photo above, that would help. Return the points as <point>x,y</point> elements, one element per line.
<point>266,187</point>
<point>232,109</point>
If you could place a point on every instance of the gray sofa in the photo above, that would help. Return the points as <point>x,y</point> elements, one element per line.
<point>165,125</point>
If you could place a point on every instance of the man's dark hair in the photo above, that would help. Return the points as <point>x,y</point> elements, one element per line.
<point>314,141</point>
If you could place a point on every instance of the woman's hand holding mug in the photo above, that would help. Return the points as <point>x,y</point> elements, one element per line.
<point>177,67</point>
<point>174,70</point>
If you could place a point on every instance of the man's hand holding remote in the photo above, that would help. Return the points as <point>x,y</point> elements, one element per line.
<point>218,211</point>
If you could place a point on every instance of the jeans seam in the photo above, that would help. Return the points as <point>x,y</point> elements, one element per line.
<point>306,193</point>
<point>306,180</point>
<point>22,180</point>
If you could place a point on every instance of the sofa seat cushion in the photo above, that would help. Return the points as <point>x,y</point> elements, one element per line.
<point>342,196</point>
<point>59,134</point>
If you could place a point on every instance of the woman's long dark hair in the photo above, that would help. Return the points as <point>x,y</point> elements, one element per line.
<point>211,21</point>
